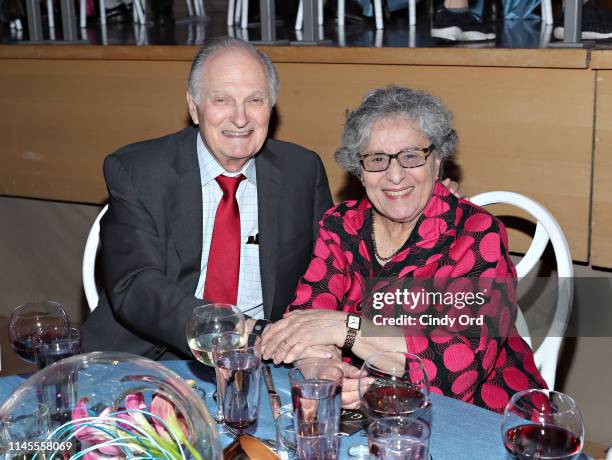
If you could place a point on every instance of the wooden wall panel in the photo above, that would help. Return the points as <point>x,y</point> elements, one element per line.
<point>59,119</point>
<point>522,129</point>
<point>601,237</point>
<point>525,130</point>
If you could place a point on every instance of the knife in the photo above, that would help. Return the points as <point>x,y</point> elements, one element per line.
<point>275,401</point>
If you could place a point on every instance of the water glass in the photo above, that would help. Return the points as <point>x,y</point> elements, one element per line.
<point>404,438</point>
<point>238,367</point>
<point>286,436</point>
<point>316,386</point>
<point>542,424</point>
<point>26,423</point>
<point>322,446</point>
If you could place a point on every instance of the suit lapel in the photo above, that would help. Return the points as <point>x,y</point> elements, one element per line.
<point>185,202</point>
<point>269,182</point>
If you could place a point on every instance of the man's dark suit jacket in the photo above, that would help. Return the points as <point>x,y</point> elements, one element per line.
<point>152,239</point>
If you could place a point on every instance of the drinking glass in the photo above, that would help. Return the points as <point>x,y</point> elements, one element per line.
<point>399,438</point>
<point>316,386</point>
<point>392,384</point>
<point>542,424</point>
<point>26,424</point>
<point>46,353</point>
<point>286,436</point>
<point>36,322</point>
<point>207,322</point>
<point>237,359</point>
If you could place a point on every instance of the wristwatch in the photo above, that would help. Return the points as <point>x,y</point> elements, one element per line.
<point>353,324</point>
<point>259,326</point>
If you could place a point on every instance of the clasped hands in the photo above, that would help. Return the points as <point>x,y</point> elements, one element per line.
<point>312,334</point>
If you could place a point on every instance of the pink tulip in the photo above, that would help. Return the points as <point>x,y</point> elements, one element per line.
<point>166,411</point>
<point>90,435</point>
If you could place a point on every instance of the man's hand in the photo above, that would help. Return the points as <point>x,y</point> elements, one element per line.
<point>350,386</point>
<point>287,339</point>
<point>454,188</point>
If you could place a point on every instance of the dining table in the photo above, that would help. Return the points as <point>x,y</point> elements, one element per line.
<point>459,431</point>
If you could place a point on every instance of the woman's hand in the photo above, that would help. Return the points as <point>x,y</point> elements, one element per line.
<point>288,339</point>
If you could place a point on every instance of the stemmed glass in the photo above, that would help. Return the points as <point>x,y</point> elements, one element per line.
<point>392,384</point>
<point>542,424</point>
<point>36,322</point>
<point>238,365</point>
<point>207,322</point>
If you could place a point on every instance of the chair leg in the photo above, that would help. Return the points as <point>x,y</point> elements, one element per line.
<point>230,12</point>
<point>340,13</point>
<point>411,12</point>
<point>201,7</point>
<point>244,20</point>
<point>299,20</point>
<point>102,6</point>
<point>189,8</point>
<point>82,14</point>
<point>378,14</point>
<point>51,15</point>
<point>320,12</point>
<point>237,11</point>
<point>547,15</point>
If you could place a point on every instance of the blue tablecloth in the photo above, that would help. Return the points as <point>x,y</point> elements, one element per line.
<point>460,431</point>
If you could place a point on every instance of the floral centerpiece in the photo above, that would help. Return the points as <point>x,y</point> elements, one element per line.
<point>112,406</point>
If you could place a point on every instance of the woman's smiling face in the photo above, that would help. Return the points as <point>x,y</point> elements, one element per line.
<point>399,194</point>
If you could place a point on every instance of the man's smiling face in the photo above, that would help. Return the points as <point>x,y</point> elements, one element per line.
<point>234,106</point>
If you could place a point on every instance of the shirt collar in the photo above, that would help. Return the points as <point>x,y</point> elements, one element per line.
<point>210,167</point>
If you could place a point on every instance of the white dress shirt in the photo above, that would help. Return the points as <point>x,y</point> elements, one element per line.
<point>250,300</point>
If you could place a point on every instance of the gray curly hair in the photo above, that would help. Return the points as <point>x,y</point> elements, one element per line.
<point>194,81</point>
<point>433,119</point>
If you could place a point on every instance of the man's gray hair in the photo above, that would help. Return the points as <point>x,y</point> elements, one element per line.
<point>194,82</point>
<point>430,116</point>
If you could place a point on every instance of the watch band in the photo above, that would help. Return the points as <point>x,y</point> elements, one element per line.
<point>349,340</point>
<point>259,326</point>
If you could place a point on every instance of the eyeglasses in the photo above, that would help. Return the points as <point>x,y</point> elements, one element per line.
<point>409,158</point>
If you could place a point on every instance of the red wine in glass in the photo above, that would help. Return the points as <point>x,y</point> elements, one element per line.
<point>387,401</point>
<point>240,372</point>
<point>24,345</point>
<point>542,424</point>
<point>35,322</point>
<point>533,441</point>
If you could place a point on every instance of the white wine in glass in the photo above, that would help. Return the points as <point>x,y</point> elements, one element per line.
<point>209,321</point>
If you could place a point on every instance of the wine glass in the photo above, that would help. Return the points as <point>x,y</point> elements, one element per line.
<point>207,322</point>
<point>35,322</point>
<point>237,360</point>
<point>542,424</point>
<point>392,384</point>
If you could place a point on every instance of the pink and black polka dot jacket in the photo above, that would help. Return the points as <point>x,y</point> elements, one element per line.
<point>454,242</point>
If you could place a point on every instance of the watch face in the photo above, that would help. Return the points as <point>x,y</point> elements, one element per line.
<point>353,322</point>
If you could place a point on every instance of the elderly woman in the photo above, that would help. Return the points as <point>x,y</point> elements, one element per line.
<point>408,229</point>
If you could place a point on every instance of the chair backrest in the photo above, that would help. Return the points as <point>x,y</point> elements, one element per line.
<point>547,228</point>
<point>89,262</point>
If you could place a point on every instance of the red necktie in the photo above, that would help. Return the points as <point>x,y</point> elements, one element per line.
<point>221,283</point>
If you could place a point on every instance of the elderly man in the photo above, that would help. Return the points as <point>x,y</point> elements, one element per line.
<point>217,212</point>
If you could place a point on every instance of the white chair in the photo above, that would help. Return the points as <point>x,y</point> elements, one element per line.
<point>547,228</point>
<point>89,262</point>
